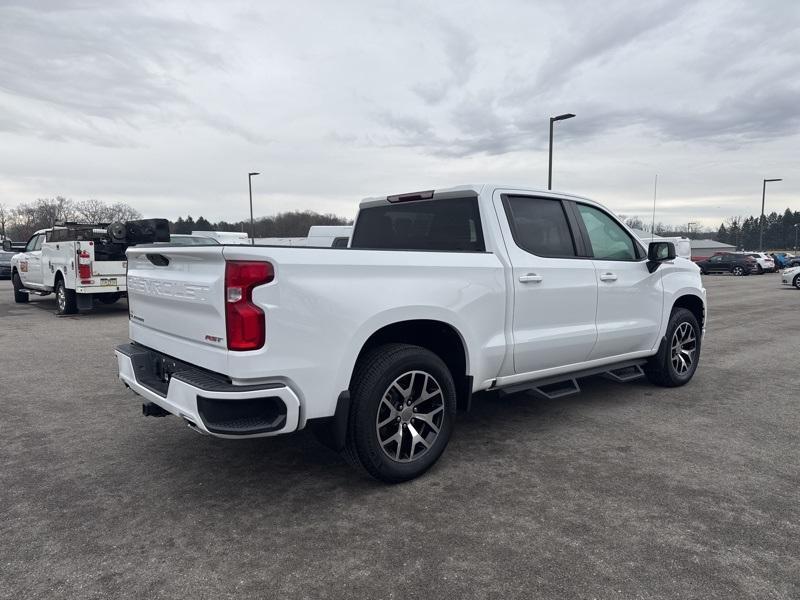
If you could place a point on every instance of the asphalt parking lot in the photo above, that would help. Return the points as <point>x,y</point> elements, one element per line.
<point>623,491</point>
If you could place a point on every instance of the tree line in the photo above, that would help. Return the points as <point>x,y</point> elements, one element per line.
<point>20,222</point>
<point>285,224</point>
<point>780,231</point>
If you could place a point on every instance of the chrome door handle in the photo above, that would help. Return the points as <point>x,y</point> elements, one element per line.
<point>530,278</point>
<point>608,277</point>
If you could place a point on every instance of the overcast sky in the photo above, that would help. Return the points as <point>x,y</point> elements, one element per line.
<point>168,105</point>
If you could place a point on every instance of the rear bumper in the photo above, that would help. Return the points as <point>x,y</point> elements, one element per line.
<point>207,402</point>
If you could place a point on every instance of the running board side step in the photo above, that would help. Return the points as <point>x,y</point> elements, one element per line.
<point>625,374</point>
<point>561,386</point>
<point>34,292</point>
<point>560,389</point>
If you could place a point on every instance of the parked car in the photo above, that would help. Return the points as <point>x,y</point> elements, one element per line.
<point>728,262</point>
<point>179,239</point>
<point>5,264</point>
<point>782,259</point>
<point>791,276</point>
<point>441,294</point>
<point>766,264</point>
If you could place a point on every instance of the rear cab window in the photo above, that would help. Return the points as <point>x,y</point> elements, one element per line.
<point>540,226</point>
<point>444,224</point>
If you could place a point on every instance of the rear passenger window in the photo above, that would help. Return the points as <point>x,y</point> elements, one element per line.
<point>539,226</point>
<point>445,224</point>
<point>609,240</point>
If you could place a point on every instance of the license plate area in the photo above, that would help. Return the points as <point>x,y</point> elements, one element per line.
<point>108,281</point>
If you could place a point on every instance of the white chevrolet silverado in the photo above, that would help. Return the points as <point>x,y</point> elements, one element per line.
<point>440,294</point>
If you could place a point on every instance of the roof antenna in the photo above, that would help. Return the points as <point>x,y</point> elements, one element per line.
<point>653,225</point>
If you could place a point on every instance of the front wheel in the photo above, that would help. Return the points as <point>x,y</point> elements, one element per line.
<point>738,271</point>
<point>66,300</point>
<point>20,297</point>
<point>796,281</point>
<point>677,358</point>
<point>402,412</point>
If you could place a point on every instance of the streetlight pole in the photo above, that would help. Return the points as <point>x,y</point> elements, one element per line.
<point>761,221</point>
<point>252,223</point>
<point>563,117</point>
<point>796,225</point>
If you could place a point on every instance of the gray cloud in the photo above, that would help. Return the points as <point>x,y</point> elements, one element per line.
<point>97,69</point>
<point>166,105</point>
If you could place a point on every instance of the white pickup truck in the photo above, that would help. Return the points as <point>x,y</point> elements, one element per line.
<point>79,262</point>
<point>440,294</point>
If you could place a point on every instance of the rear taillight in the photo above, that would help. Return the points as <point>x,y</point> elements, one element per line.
<point>84,264</point>
<point>244,320</point>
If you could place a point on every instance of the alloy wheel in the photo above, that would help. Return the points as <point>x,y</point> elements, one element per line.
<point>410,416</point>
<point>738,271</point>
<point>683,348</point>
<point>61,298</point>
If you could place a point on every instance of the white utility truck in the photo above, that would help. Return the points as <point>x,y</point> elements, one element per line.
<point>80,262</point>
<point>441,294</point>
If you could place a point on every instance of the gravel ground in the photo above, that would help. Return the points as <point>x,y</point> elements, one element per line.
<point>623,491</point>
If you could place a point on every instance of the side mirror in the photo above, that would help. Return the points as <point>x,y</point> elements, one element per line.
<point>658,252</point>
<point>7,245</point>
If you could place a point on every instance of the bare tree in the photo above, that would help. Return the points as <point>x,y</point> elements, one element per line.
<point>91,211</point>
<point>4,216</point>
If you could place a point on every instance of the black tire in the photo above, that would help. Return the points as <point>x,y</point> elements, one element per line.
<point>19,297</point>
<point>796,281</point>
<point>660,369</point>
<point>108,298</point>
<point>738,271</point>
<point>760,270</point>
<point>66,301</point>
<point>373,395</point>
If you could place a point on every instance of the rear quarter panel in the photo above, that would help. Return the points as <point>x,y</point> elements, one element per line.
<point>325,303</point>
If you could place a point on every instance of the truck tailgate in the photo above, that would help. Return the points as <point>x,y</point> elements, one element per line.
<point>176,295</point>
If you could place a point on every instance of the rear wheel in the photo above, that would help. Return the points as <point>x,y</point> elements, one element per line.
<point>760,270</point>
<point>20,297</point>
<point>402,412</point>
<point>677,358</point>
<point>738,270</point>
<point>66,302</point>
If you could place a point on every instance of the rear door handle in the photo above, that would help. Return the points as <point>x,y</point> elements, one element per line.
<point>608,277</point>
<point>530,278</point>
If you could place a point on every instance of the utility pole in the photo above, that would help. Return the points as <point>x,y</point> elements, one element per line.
<point>761,221</point>
<point>252,223</point>
<point>563,117</point>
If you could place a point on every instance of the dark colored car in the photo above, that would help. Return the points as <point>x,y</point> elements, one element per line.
<point>5,264</point>
<point>728,262</point>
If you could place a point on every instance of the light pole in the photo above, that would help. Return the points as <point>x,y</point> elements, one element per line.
<point>761,221</point>
<point>563,117</point>
<point>252,223</point>
<point>796,225</point>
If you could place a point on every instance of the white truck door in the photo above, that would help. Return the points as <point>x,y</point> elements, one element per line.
<point>629,298</point>
<point>30,267</point>
<point>555,289</point>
